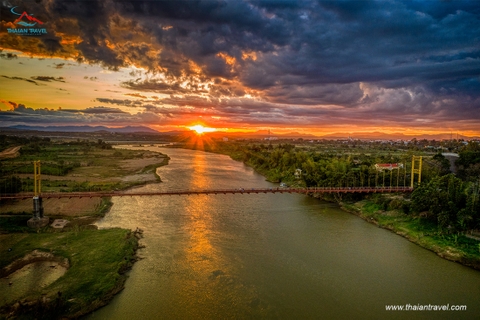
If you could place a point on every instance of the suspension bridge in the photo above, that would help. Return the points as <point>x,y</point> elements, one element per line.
<point>39,220</point>
<point>314,190</point>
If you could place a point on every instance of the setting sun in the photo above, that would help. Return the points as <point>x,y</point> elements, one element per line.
<point>199,129</point>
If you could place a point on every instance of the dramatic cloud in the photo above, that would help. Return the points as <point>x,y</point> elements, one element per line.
<point>273,62</point>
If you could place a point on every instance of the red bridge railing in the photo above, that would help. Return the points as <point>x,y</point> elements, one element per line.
<point>133,193</point>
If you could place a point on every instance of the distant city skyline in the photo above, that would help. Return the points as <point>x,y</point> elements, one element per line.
<point>313,67</point>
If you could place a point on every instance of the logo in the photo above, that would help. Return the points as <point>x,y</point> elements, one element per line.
<point>28,21</point>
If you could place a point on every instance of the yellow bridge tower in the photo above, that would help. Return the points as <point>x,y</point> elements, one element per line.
<point>416,159</point>
<point>38,220</point>
<point>37,178</point>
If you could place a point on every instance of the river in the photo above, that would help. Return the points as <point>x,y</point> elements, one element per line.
<point>270,256</point>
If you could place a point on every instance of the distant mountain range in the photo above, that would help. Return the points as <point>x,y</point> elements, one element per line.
<point>128,129</point>
<point>261,134</point>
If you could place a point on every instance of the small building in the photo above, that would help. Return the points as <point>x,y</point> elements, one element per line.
<point>388,166</point>
<point>298,173</point>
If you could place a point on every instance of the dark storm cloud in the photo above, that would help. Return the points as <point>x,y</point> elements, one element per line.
<point>391,57</point>
<point>334,94</point>
<point>309,38</point>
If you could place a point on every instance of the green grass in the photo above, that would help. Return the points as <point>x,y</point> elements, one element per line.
<point>13,223</point>
<point>104,207</point>
<point>370,208</point>
<point>98,259</point>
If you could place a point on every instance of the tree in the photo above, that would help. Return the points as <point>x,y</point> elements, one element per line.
<point>445,199</point>
<point>11,185</point>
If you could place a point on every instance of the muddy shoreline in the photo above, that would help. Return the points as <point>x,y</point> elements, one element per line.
<point>34,256</point>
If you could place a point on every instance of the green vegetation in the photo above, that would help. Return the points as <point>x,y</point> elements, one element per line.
<point>449,202</point>
<point>83,288</point>
<point>330,164</point>
<point>104,207</point>
<point>469,162</point>
<point>14,223</point>
<point>79,165</point>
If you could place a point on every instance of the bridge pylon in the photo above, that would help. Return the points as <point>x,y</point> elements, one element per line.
<point>37,178</point>
<point>38,220</point>
<point>418,171</point>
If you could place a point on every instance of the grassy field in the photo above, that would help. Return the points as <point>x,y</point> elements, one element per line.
<point>83,288</point>
<point>69,167</point>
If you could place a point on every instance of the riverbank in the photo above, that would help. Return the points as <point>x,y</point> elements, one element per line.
<point>96,261</point>
<point>454,247</point>
<point>82,288</point>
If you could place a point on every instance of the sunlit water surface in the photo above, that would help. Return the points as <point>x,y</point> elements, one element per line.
<point>274,256</point>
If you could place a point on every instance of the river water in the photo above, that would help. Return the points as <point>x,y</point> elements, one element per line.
<point>270,256</point>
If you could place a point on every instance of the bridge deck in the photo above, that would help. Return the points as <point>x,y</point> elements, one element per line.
<point>212,191</point>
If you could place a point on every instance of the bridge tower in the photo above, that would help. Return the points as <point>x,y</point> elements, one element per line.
<point>37,178</point>
<point>418,171</point>
<point>38,220</point>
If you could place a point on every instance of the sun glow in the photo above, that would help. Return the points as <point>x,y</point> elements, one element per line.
<point>199,129</point>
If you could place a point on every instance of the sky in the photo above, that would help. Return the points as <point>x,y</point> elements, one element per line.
<point>315,67</point>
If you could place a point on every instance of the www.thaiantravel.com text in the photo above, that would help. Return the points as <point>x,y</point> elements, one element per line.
<point>425,307</point>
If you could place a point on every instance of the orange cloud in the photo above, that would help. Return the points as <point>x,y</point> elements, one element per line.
<point>228,59</point>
